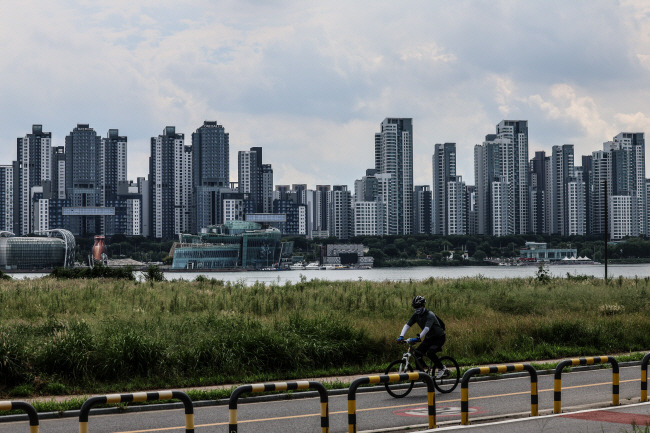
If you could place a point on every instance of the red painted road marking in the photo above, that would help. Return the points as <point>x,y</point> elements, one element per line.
<point>609,416</point>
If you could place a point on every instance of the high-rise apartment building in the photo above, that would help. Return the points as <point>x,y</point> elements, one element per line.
<point>487,168</point>
<point>601,167</point>
<point>472,220</point>
<point>7,198</point>
<point>587,177</point>
<point>211,175</point>
<point>321,211</point>
<point>422,210</point>
<point>517,174</point>
<point>539,193</point>
<point>501,167</point>
<point>255,181</point>
<point>632,145</point>
<point>366,218</point>
<point>340,212</point>
<point>394,155</point>
<point>114,184</point>
<point>562,169</point>
<point>370,205</point>
<point>456,217</point>
<point>621,167</point>
<point>58,172</point>
<point>576,204</point>
<point>444,169</point>
<point>114,149</point>
<point>85,172</point>
<point>170,184</point>
<point>623,218</point>
<point>34,168</point>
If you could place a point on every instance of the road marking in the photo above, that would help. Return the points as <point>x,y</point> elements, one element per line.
<point>613,417</point>
<point>368,409</point>
<point>441,411</point>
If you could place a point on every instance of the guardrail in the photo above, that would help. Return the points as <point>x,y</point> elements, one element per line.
<point>281,386</point>
<point>557,387</point>
<point>386,378</point>
<point>139,396</point>
<point>644,377</point>
<point>464,384</point>
<point>21,405</point>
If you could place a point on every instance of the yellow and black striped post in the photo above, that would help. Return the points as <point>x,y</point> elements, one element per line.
<point>386,378</point>
<point>281,386</point>
<point>28,408</point>
<point>464,384</point>
<point>139,396</point>
<point>557,387</point>
<point>644,377</point>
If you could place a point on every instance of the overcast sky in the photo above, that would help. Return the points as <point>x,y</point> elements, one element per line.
<point>311,81</point>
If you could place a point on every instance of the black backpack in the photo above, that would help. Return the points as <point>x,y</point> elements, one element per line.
<point>442,324</point>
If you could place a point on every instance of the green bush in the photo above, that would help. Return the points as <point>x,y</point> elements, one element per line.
<point>153,273</point>
<point>97,271</point>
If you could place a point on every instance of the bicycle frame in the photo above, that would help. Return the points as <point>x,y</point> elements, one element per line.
<point>406,357</point>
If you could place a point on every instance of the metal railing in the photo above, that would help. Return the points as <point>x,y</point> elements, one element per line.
<point>464,384</point>
<point>387,378</point>
<point>281,386</point>
<point>557,387</point>
<point>139,396</point>
<point>28,408</point>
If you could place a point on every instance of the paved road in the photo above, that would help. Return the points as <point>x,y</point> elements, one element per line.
<point>378,411</point>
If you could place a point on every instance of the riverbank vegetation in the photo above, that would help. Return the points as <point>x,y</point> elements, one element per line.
<point>408,250</point>
<point>102,336</point>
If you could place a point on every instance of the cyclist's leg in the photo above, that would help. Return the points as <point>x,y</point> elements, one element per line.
<point>420,351</point>
<point>434,347</point>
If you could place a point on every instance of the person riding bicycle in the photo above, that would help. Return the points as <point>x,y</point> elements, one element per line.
<point>432,335</point>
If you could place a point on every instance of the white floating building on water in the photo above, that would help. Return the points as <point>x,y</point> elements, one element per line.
<point>538,252</point>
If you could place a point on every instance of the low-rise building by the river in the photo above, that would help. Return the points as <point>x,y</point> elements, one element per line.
<point>538,252</point>
<point>55,248</point>
<point>349,255</point>
<point>234,244</point>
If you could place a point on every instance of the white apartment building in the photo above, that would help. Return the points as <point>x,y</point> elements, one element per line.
<point>233,209</point>
<point>6,198</point>
<point>133,217</point>
<point>456,218</point>
<point>501,206</point>
<point>623,217</point>
<point>576,206</point>
<point>366,218</point>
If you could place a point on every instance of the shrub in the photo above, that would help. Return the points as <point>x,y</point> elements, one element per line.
<point>153,273</point>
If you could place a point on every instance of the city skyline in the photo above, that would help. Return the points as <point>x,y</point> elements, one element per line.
<point>83,187</point>
<point>303,81</point>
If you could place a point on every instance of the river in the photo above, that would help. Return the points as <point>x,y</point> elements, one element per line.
<point>405,274</point>
<point>419,273</point>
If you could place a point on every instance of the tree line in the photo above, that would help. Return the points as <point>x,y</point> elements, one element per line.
<point>407,250</point>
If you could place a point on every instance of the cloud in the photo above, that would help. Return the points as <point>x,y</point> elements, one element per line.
<point>311,82</point>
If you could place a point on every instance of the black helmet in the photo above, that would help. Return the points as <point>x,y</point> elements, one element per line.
<point>418,302</point>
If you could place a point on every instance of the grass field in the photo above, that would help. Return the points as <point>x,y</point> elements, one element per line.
<point>96,336</point>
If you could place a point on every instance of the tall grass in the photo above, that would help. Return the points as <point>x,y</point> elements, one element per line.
<point>89,334</point>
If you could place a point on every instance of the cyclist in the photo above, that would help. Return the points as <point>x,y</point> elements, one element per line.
<point>432,335</point>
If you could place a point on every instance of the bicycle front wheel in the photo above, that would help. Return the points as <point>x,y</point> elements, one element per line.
<point>402,388</point>
<point>450,380</point>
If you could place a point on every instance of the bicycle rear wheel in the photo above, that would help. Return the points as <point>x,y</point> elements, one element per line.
<point>402,388</point>
<point>449,381</point>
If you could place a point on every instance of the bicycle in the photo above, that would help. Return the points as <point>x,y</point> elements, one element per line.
<point>445,384</point>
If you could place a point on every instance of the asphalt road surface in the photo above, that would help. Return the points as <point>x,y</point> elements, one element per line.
<point>505,400</point>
